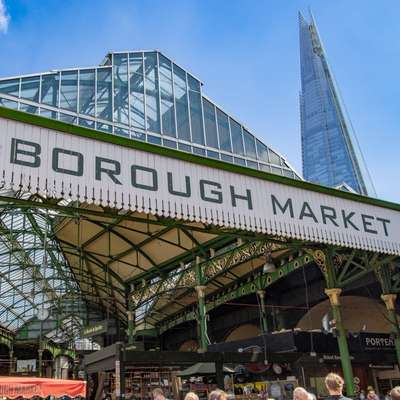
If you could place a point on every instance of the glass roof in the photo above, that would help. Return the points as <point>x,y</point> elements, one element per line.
<point>33,272</point>
<point>145,96</point>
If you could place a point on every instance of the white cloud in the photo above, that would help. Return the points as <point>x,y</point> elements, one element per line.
<point>4,17</point>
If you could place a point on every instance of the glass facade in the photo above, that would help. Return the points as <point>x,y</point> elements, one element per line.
<point>331,155</point>
<point>144,96</point>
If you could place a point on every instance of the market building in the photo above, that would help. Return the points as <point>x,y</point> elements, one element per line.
<point>137,215</point>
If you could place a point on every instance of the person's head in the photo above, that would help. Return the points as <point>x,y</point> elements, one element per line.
<point>300,394</point>
<point>395,393</point>
<point>158,394</point>
<point>217,395</point>
<point>334,383</point>
<point>191,396</point>
<point>371,392</point>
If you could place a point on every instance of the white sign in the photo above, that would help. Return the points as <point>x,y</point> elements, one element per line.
<point>68,166</point>
<point>26,366</point>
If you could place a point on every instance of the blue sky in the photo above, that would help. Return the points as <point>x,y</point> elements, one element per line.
<point>246,53</point>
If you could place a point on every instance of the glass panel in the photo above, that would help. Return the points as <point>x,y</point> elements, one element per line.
<point>137,89</point>
<point>69,90</point>
<point>48,113</point>
<point>275,159</point>
<point>262,151</point>
<point>169,143</point>
<point>252,164</point>
<point>104,94</point>
<point>69,119</point>
<point>225,157</point>
<point>167,97</point>
<point>9,103</point>
<point>236,131</point>
<point>265,168</point>
<point>210,124</point>
<point>288,173</point>
<point>138,135</point>
<point>28,108</point>
<point>10,86</point>
<point>121,105</point>
<point>152,100</point>
<point>153,139</point>
<point>239,161</point>
<point>121,132</point>
<point>185,147</point>
<point>181,101</point>
<point>199,151</point>
<point>212,154</point>
<point>196,119</point>
<point>30,88</point>
<point>104,127</point>
<point>276,170</point>
<point>50,89</point>
<point>223,131</point>
<point>250,144</point>
<point>87,92</point>
<point>87,123</point>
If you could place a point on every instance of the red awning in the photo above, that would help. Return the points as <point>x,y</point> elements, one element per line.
<point>13,386</point>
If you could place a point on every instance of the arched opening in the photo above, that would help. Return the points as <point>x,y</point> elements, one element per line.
<point>358,314</point>
<point>63,367</point>
<point>47,364</point>
<point>244,331</point>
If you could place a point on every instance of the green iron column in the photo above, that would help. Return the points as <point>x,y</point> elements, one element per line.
<point>263,311</point>
<point>203,338</point>
<point>334,298</point>
<point>202,321</point>
<point>328,264</point>
<point>390,302</point>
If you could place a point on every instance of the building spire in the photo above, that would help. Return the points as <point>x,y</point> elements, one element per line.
<point>331,153</point>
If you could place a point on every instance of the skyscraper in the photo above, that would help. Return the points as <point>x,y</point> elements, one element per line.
<point>330,151</point>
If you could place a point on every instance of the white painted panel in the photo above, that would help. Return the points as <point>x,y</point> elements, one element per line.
<point>353,224</point>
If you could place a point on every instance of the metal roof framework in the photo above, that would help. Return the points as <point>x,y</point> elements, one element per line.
<point>119,261</point>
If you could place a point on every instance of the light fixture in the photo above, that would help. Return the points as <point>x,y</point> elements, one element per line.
<point>269,265</point>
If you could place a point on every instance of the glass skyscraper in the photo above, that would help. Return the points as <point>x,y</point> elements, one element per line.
<point>143,95</point>
<point>330,151</point>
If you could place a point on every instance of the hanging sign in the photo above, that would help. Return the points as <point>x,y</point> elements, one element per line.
<point>95,329</point>
<point>377,342</point>
<point>63,165</point>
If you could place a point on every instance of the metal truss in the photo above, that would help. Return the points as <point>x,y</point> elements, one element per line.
<point>249,284</point>
<point>341,267</point>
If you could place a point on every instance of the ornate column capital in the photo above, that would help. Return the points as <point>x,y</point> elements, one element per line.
<point>334,295</point>
<point>130,315</point>
<point>201,290</point>
<point>390,300</point>
<point>261,293</point>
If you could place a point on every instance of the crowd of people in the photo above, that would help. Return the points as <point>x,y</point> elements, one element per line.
<point>333,382</point>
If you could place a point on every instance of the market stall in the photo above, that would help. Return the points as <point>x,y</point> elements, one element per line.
<point>12,387</point>
<point>201,379</point>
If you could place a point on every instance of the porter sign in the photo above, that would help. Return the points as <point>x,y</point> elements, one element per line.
<point>66,165</point>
